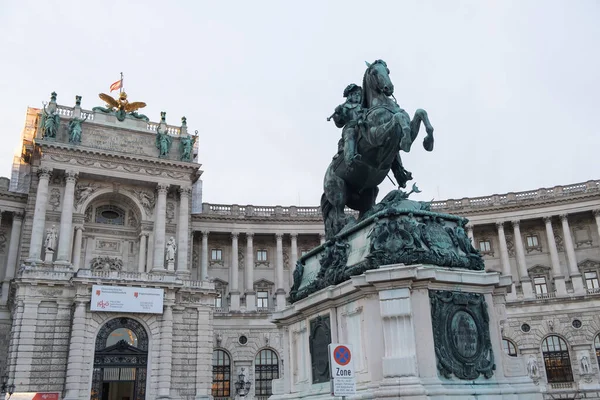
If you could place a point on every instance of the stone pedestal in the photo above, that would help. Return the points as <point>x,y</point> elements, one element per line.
<point>417,332</point>
<point>171,265</point>
<point>48,257</point>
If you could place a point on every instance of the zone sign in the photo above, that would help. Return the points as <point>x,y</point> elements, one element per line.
<point>342,369</point>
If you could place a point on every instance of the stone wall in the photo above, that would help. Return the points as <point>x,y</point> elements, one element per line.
<point>185,341</point>
<point>51,347</point>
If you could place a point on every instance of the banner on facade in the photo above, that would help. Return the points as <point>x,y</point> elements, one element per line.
<point>127,299</point>
<point>34,396</point>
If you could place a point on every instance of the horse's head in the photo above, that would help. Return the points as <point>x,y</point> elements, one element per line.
<point>377,78</point>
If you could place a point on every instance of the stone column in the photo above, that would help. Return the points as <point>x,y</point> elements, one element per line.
<point>574,273</point>
<point>166,352</point>
<point>557,274</point>
<point>521,263</point>
<point>39,216</point>
<point>76,352</point>
<point>280,289</point>
<point>142,252</point>
<point>77,248</point>
<point>504,259</point>
<point>13,252</point>
<point>159,227</point>
<point>65,234</point>
<point>204,257</point>
<point>204,350</point>
<point>470,234</point>
<point>597,216</point>
<point>250,293</point>
<point>234,288</point>
<point>293,256</point>
<point>182,231</point>
<point>322,238</point>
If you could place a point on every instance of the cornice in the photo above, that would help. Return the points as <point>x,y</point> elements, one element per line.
<point>90,152</point>
<point>72,157</point>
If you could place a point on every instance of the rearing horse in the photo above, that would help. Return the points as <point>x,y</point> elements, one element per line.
<point>386,129</point>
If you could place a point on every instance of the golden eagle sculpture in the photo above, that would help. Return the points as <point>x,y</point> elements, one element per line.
<point>121,107</point>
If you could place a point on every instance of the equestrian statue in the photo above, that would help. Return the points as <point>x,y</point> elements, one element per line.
<point>374,131</point>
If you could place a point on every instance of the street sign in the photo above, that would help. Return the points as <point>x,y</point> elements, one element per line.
<point>343,382</point>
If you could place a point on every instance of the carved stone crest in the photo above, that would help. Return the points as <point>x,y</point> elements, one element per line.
<point>461,334</point>
<point>170,212</point>
<point>107,264</point>
<point>54,198</point>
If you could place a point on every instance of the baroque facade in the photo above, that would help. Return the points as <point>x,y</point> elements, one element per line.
<point>97,214</point>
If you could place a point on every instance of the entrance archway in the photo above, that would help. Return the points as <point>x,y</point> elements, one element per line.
<point>120,361</point>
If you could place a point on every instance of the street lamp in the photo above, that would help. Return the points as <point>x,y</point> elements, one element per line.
<point>6,388</point>
<point>242,387</point>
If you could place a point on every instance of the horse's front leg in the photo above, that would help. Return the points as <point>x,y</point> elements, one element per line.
<point>415,124</point>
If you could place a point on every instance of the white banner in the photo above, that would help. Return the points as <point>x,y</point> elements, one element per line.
<point>127,299</point>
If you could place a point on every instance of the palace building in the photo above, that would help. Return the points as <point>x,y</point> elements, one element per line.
<point>118,282</point>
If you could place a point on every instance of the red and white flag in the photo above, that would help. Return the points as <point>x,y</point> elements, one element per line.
<point>117,85</point>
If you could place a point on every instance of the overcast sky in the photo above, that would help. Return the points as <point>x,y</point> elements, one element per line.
<point>511,87</point>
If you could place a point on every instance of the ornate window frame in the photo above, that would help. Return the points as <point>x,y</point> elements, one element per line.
<point>538,271</point>
<point>532,247</point>
<point>266,368</point>
<point>589,265</point>
<point>259,261</point>
<point>557,359</point>
<point>264,285</point>
<point>221,367</point>
<point>488,252</point>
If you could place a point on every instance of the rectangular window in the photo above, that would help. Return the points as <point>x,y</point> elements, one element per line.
<point>216,254</point>
<point>540,285</point>
<point>262,299</point>
<point>261,255</point>
<point>532,241</point>
<point>485,245</point>
<point>591,280</point>
<point>219,301</point>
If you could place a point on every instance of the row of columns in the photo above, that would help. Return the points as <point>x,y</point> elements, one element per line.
<point>69,253</point>
<point>234,291</point>
<point>559,278</point>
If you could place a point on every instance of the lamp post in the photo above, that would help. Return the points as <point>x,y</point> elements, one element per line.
<point>6,388</point>
<point>242,387</point>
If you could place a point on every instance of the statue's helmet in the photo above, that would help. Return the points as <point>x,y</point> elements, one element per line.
<point>351,88</point>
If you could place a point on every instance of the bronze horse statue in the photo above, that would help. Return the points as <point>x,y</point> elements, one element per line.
<point>384,130</point>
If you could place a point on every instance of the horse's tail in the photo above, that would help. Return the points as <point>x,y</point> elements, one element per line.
<point>326,208</point>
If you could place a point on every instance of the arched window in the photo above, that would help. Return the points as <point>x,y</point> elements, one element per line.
<point>221,366</point>
<point>597,347</point>
<point>266,368</point>
<point>557,360</point>
<point>509,347</point>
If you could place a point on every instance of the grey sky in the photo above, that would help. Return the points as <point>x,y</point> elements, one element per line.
<point>511,87</point>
